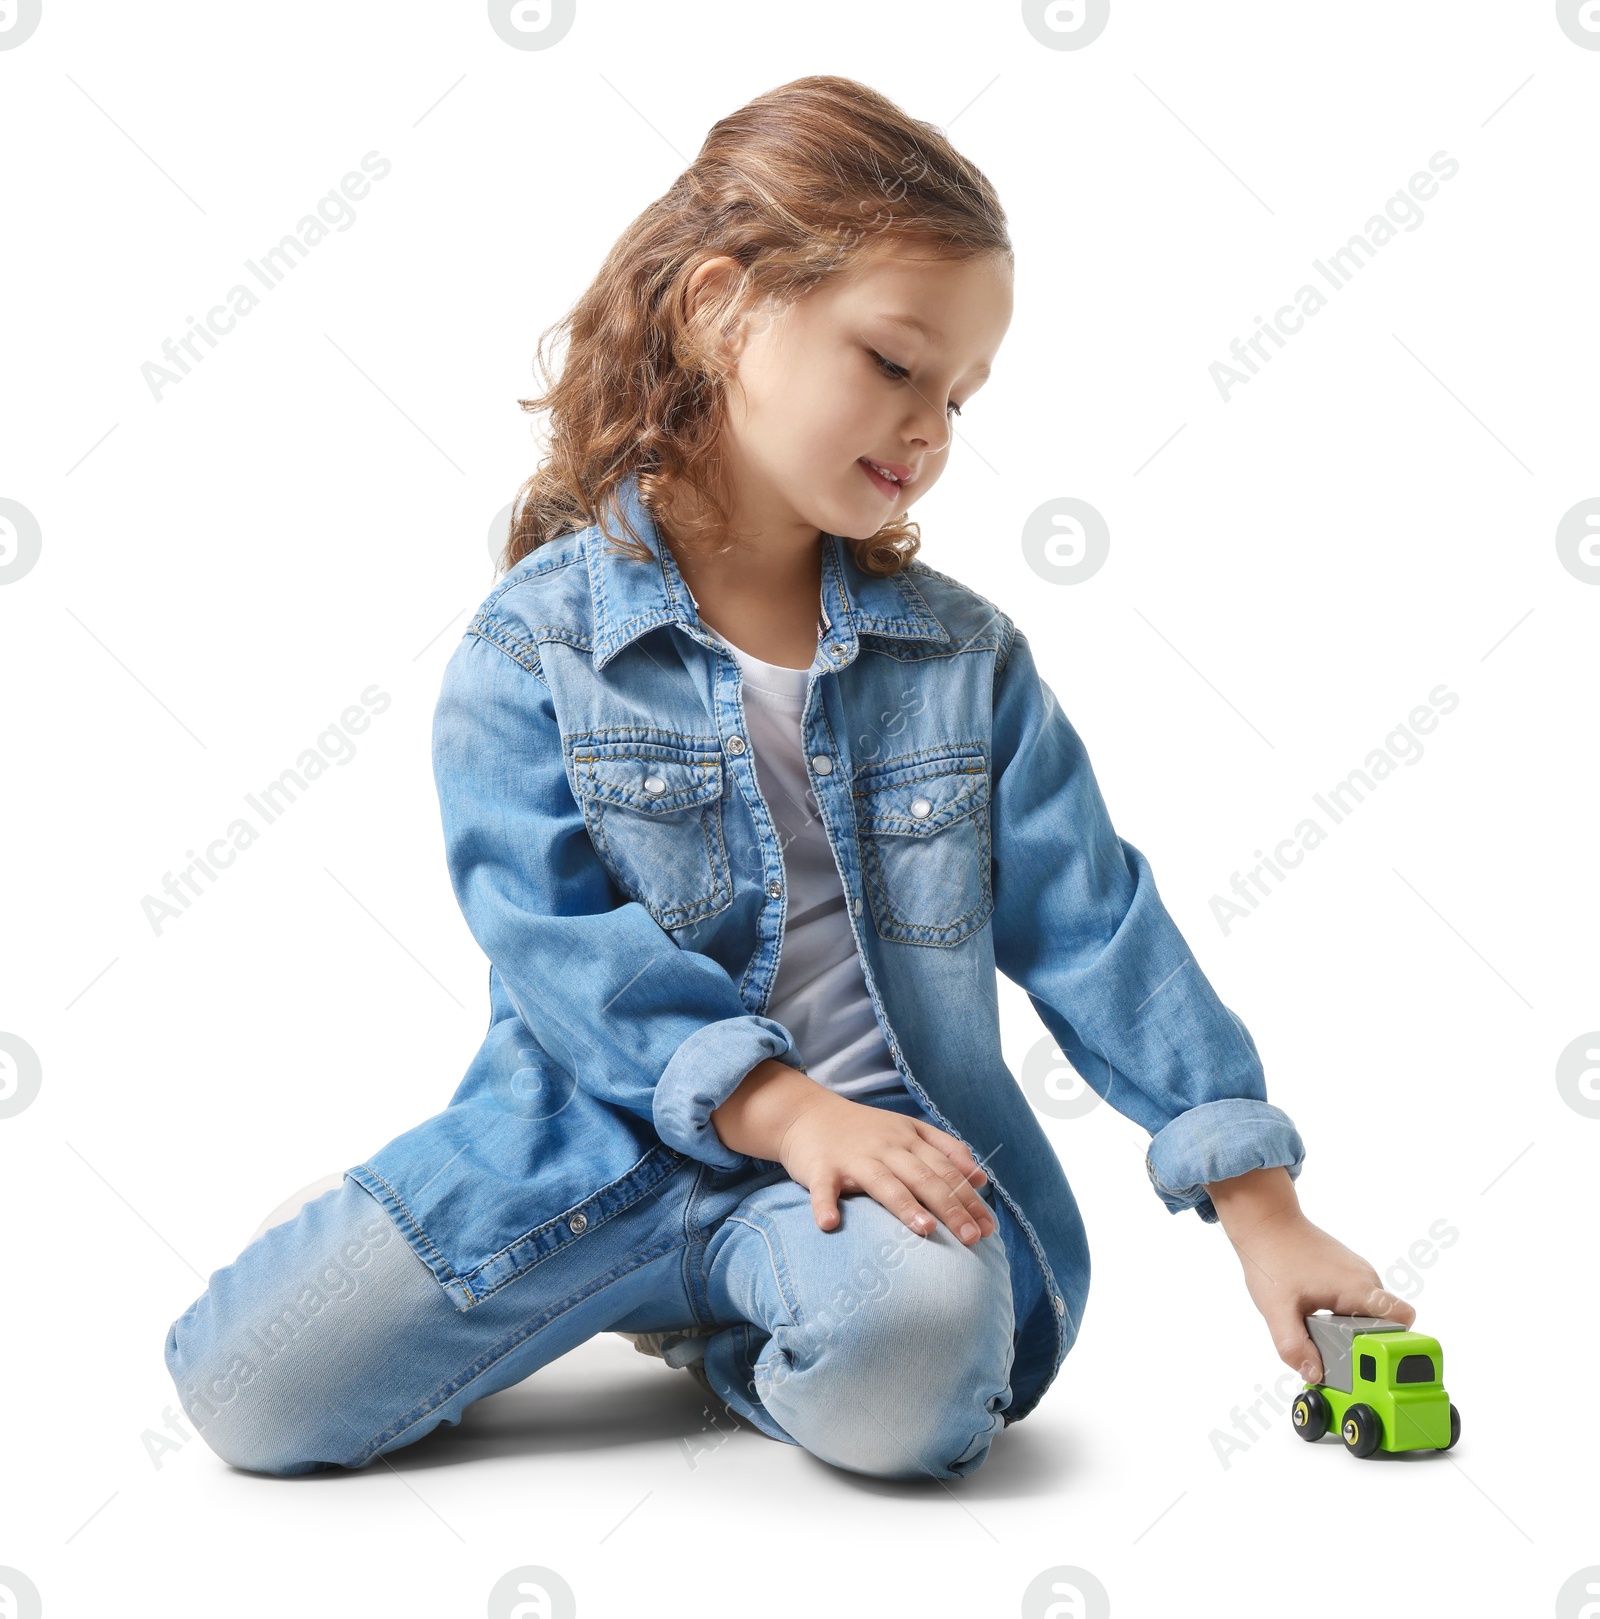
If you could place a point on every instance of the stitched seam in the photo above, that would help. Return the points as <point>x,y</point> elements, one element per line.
<point>1007,640</point>
<point>694,1253</point>
<point>412,1220</point>
<point>688,910</point>
<point>595,1221</point>
<point>930,825</point>
<point>927,626</point>
<point>779,1260</point>
<point>901,652</point>
<point>703,743</point>
<point>936,754</point>
<point>919,604</point>
<point>566,635</point>
<point>649,804</point>
<point>1161,1185</point>
<point>512,650</point>
<point>891,926</point>
<point>651,616</point>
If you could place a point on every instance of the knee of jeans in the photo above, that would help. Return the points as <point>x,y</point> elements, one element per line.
<point>910,1375</point>
<point>228,1405</point>
<point>927,1452</point>
<point>938,1311</point>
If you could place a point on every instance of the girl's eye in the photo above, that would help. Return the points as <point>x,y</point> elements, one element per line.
<point>890,369</point>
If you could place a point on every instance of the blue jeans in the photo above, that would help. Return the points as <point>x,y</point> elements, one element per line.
<point>328,1341</point>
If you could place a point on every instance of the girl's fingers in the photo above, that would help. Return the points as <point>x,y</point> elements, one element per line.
<point>950,1171</point>
<point>955,1151</point>
<point>825,1202</point>
<point>937,1179</point>
<point>930,1189</point>
<point>1381,1302</point>
<point>942,1188</point>
<point>882,1185</point>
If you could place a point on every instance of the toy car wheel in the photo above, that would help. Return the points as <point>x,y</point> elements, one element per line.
<point>1310,1414</point>
<point>1455,1427</point>
<point>1361,1430</point>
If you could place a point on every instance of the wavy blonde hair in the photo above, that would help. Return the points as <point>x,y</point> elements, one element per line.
<point>799,185</point>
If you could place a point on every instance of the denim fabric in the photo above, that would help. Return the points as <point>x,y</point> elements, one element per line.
<point>329,1342</point>
<point>612,854</point>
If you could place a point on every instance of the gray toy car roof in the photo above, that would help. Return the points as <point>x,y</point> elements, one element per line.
<point>1332,1335</point>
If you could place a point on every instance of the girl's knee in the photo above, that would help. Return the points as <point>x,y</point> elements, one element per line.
<point>264,1359</point>
<point>907,1379</point>
<point>886,1426</point>
<point>230,1403</point>
<point>938,1309</point>
<point>932,1451</point>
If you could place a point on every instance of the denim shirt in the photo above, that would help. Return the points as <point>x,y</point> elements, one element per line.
<point>615,860</point>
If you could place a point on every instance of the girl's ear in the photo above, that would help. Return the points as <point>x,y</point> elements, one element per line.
<point>709,286</point>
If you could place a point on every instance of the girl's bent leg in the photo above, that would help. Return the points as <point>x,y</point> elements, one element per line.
<point>328,1341</point>
<point>876,1349</point>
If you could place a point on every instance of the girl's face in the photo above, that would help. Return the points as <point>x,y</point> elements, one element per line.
<point>857,380</point>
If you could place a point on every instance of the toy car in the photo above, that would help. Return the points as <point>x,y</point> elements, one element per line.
<point>1382,1387</point>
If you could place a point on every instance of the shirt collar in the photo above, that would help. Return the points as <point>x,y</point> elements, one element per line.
<point>632,596</point>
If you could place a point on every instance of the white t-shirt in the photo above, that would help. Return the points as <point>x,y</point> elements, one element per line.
<point>820,996</point>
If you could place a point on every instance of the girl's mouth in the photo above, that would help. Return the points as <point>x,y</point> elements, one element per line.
<point>888,479</point>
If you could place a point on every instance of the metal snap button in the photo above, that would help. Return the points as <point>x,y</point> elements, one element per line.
<point>1061,1308</point>
<point>775,888</point>
<point>654,784</point>
<point>921,807</point>
<point>856,905</point>
<point>837,651</point>
<point>578,1224</point>
<point>735,744</point>
<point>822,764</point>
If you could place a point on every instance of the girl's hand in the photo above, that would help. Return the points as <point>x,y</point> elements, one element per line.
<point>1293,1268</point>
<point>833,1146</point>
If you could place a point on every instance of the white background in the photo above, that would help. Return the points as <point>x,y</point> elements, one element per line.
<point>306,515</point>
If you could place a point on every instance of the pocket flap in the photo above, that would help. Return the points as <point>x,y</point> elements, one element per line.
<point>652,777</point>
<point>921,794</point>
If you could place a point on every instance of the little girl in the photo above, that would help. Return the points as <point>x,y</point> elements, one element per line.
<point>745,805</point>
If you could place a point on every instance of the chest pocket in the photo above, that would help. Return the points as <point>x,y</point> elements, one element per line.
<point>923,821</point>
<point>653,807</point>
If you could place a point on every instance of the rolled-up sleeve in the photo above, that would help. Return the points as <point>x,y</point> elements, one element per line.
<point>1079,925</point>
<point>637,1020</point>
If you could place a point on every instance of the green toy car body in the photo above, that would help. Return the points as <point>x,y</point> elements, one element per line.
<point>1382,1387</point>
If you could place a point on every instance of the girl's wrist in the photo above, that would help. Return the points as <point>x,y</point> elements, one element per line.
<point>755,1118</point>
<point>1258,1197</point>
